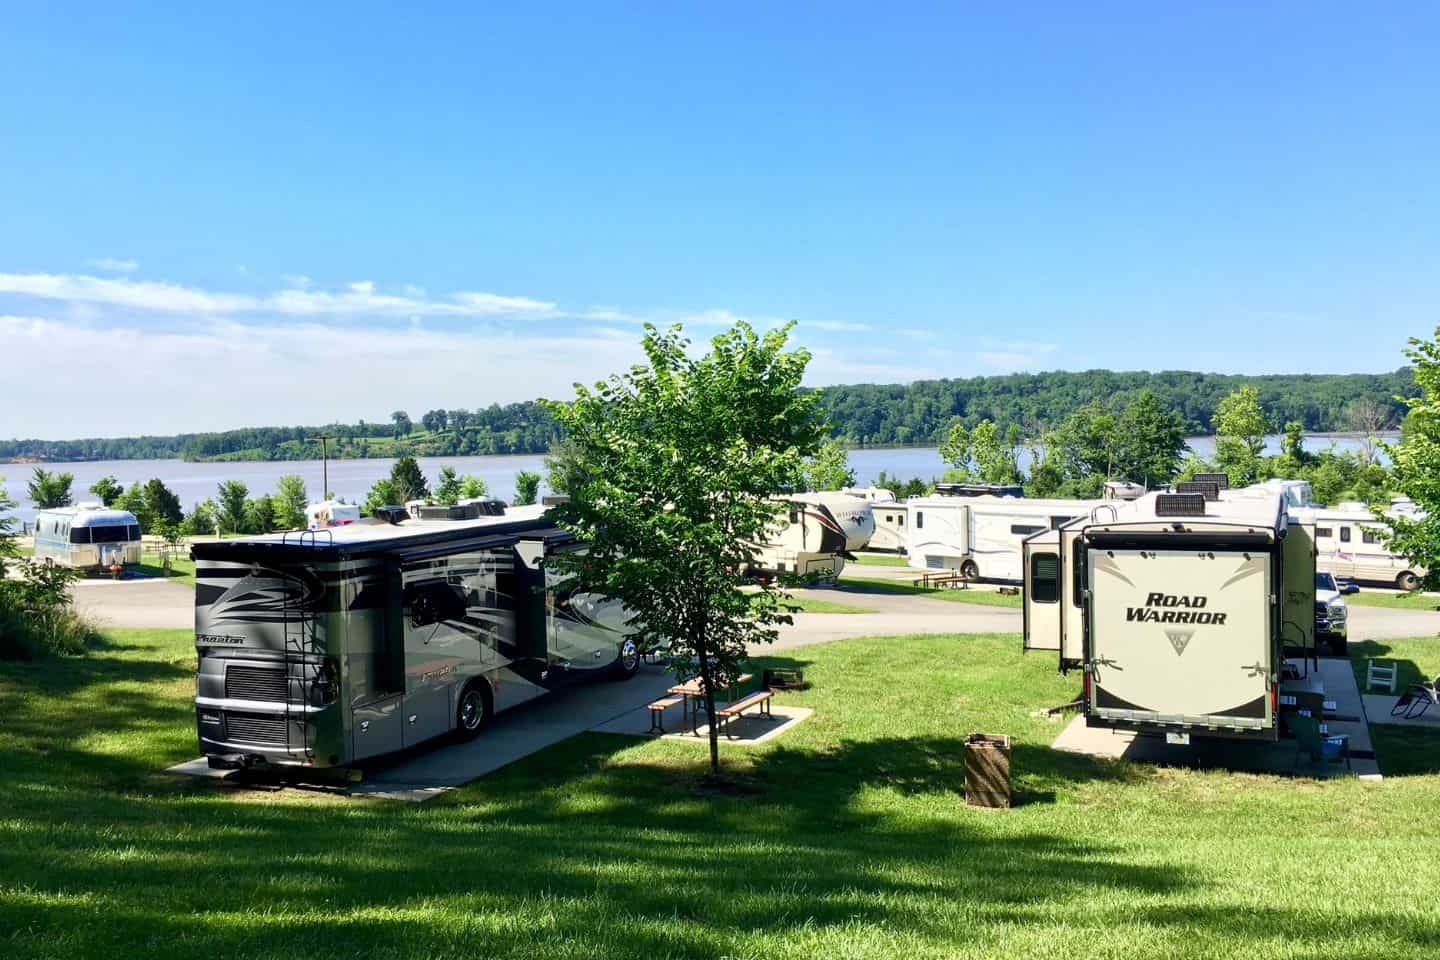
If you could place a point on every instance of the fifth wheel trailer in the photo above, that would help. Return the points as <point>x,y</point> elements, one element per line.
<point>1189,605</point>
<point>324,648</point>
<point>814,533</point>
<point>981,536</point>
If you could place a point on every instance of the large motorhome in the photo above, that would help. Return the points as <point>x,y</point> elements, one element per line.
<point>1350,543</point>
<point>981,536</point>
<point>328,647</point>
<point>88,537</point>
<point>815,533</point>
<point>1179,608</point>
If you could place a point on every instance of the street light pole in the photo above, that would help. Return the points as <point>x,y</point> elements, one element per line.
<point>324,439</point>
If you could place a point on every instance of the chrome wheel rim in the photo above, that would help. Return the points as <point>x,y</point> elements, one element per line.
<point>629,655</point>
<point>471,710</point>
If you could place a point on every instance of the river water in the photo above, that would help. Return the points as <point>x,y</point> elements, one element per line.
<point>350,479</point>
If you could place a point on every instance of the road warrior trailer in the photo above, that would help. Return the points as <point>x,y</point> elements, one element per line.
<point>1187,605</point>
<point>324,648</point>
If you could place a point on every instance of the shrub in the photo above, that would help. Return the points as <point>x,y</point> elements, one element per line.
<point>36,616</point>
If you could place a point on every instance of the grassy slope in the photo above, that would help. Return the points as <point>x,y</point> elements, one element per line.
<point>853,843</point>
<point>986,597</point>
<point>816,605</point>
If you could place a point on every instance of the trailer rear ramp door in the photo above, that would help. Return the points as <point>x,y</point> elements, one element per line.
<point>1181,639</point>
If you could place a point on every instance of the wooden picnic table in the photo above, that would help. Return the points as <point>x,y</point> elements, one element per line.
<point>694,693</point>
<point>938,579</point>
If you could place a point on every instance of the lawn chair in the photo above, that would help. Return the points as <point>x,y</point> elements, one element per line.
<point>1322,748</point>
<point>1419,698</point>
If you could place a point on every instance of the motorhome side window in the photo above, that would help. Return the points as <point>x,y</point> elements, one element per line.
<point>1323,533</point>
<point>1045,577</point>
<point>1369,536</point>
<point>1344,534</point>
<point>919,520</point>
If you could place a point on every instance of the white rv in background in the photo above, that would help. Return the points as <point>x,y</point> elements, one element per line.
<point>331,513</point>
<point>873,494</point>
<point>980,537</point>
<point>1179,608</point>
<point>891,523</point>
<point>815,533</point>
<point>1350,545</point>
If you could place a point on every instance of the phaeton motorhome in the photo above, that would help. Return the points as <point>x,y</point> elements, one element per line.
<point>328,647</point>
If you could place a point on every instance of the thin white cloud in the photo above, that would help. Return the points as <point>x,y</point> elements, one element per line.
<point>296,281</point>
<point>358,299</point>
<point>113,265</point>
<point>838,325</point>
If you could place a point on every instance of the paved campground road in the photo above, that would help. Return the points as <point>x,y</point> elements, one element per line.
<point>166,604</point>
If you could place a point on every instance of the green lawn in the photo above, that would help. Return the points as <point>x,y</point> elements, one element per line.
<point>981,595</point>
<point>817,605</point>
<point>879,560</point>
<point>1394,598</point>
<point>182,570</point>
<point>850,838</point>
<point>1402,750</point>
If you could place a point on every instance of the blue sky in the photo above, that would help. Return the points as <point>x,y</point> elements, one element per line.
<point>266,215</point>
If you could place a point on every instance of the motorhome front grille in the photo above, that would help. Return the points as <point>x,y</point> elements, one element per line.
<point>256,728</point>
<point>1179,505</point>
<point>256,683</point>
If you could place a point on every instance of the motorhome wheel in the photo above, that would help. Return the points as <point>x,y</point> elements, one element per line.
<point>970,570</point>
<point>628,662</point>
<point>473,712</point>
<point>1407,581</point>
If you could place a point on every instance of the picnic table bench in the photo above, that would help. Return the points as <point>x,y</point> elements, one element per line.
<point>725,714</point>
<point>938,580</point>
<point>690,695</point>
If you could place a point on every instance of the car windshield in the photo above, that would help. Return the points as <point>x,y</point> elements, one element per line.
<point>1324,581</point>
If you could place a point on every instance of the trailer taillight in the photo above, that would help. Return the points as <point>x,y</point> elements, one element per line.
<point>1274,699</point>
<point>1086,689</point>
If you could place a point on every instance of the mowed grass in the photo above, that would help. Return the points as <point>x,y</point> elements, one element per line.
<point>182,570</point>
<point>848,838</point>
<point>980,595</point>
<point>879,560</point>
<point>818,605</point>
<point>1402,750</point>
<point>1394,598</point>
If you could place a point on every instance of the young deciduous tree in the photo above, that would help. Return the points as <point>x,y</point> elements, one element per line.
<point>1416,461</point>
<point>8,548</point>
<point>829,469</point>
<point>955,449</point>
<point>231,500</point>
<point>48,490</point>
<point>162,506</point>
<point>290,499</point>
<point>1240,428</point>
<point>382,494</point>
<point>108,489</point>
<point>472,486</point>
<point>527,487</point>
<point>680,457</point>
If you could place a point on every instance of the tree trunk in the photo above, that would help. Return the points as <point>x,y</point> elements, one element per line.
<point>708,685</point>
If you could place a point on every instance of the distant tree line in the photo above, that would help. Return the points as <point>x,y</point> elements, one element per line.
<point>861,415</point>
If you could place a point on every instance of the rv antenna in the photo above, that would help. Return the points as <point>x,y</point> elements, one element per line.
<point>324,463</point>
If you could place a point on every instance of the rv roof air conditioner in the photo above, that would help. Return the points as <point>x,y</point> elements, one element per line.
<point>1221,480</point>
<point>391,514</point>
<point>1179,505</point>
<point>1209,489</point>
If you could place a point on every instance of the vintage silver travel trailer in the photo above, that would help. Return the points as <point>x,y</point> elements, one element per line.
<point>981,536</point>
<point>88,537</point>
<point>815,533</point>
<point>324,648</point>
<point>1183,606</point>
<point>1350,544</point>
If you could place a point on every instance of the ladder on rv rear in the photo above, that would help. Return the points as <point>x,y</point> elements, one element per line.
<point>303,648</point>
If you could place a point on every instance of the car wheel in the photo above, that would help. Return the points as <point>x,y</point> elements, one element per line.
<point>1407,581</point>
<point>472,714</point>
<point>628,663</point>
<point>970,570</point>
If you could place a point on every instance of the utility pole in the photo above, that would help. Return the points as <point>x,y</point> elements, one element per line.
<point>324,439</point>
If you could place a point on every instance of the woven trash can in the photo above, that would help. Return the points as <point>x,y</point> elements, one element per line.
<point>987,770</point>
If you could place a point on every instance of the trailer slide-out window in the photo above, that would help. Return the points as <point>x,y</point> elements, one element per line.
<point>1024,529</point>
<point>1045,577</point>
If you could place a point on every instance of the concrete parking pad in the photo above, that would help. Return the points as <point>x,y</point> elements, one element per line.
<point>1279,757</point>
<point>145,604</point>
<point>746,730</point>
